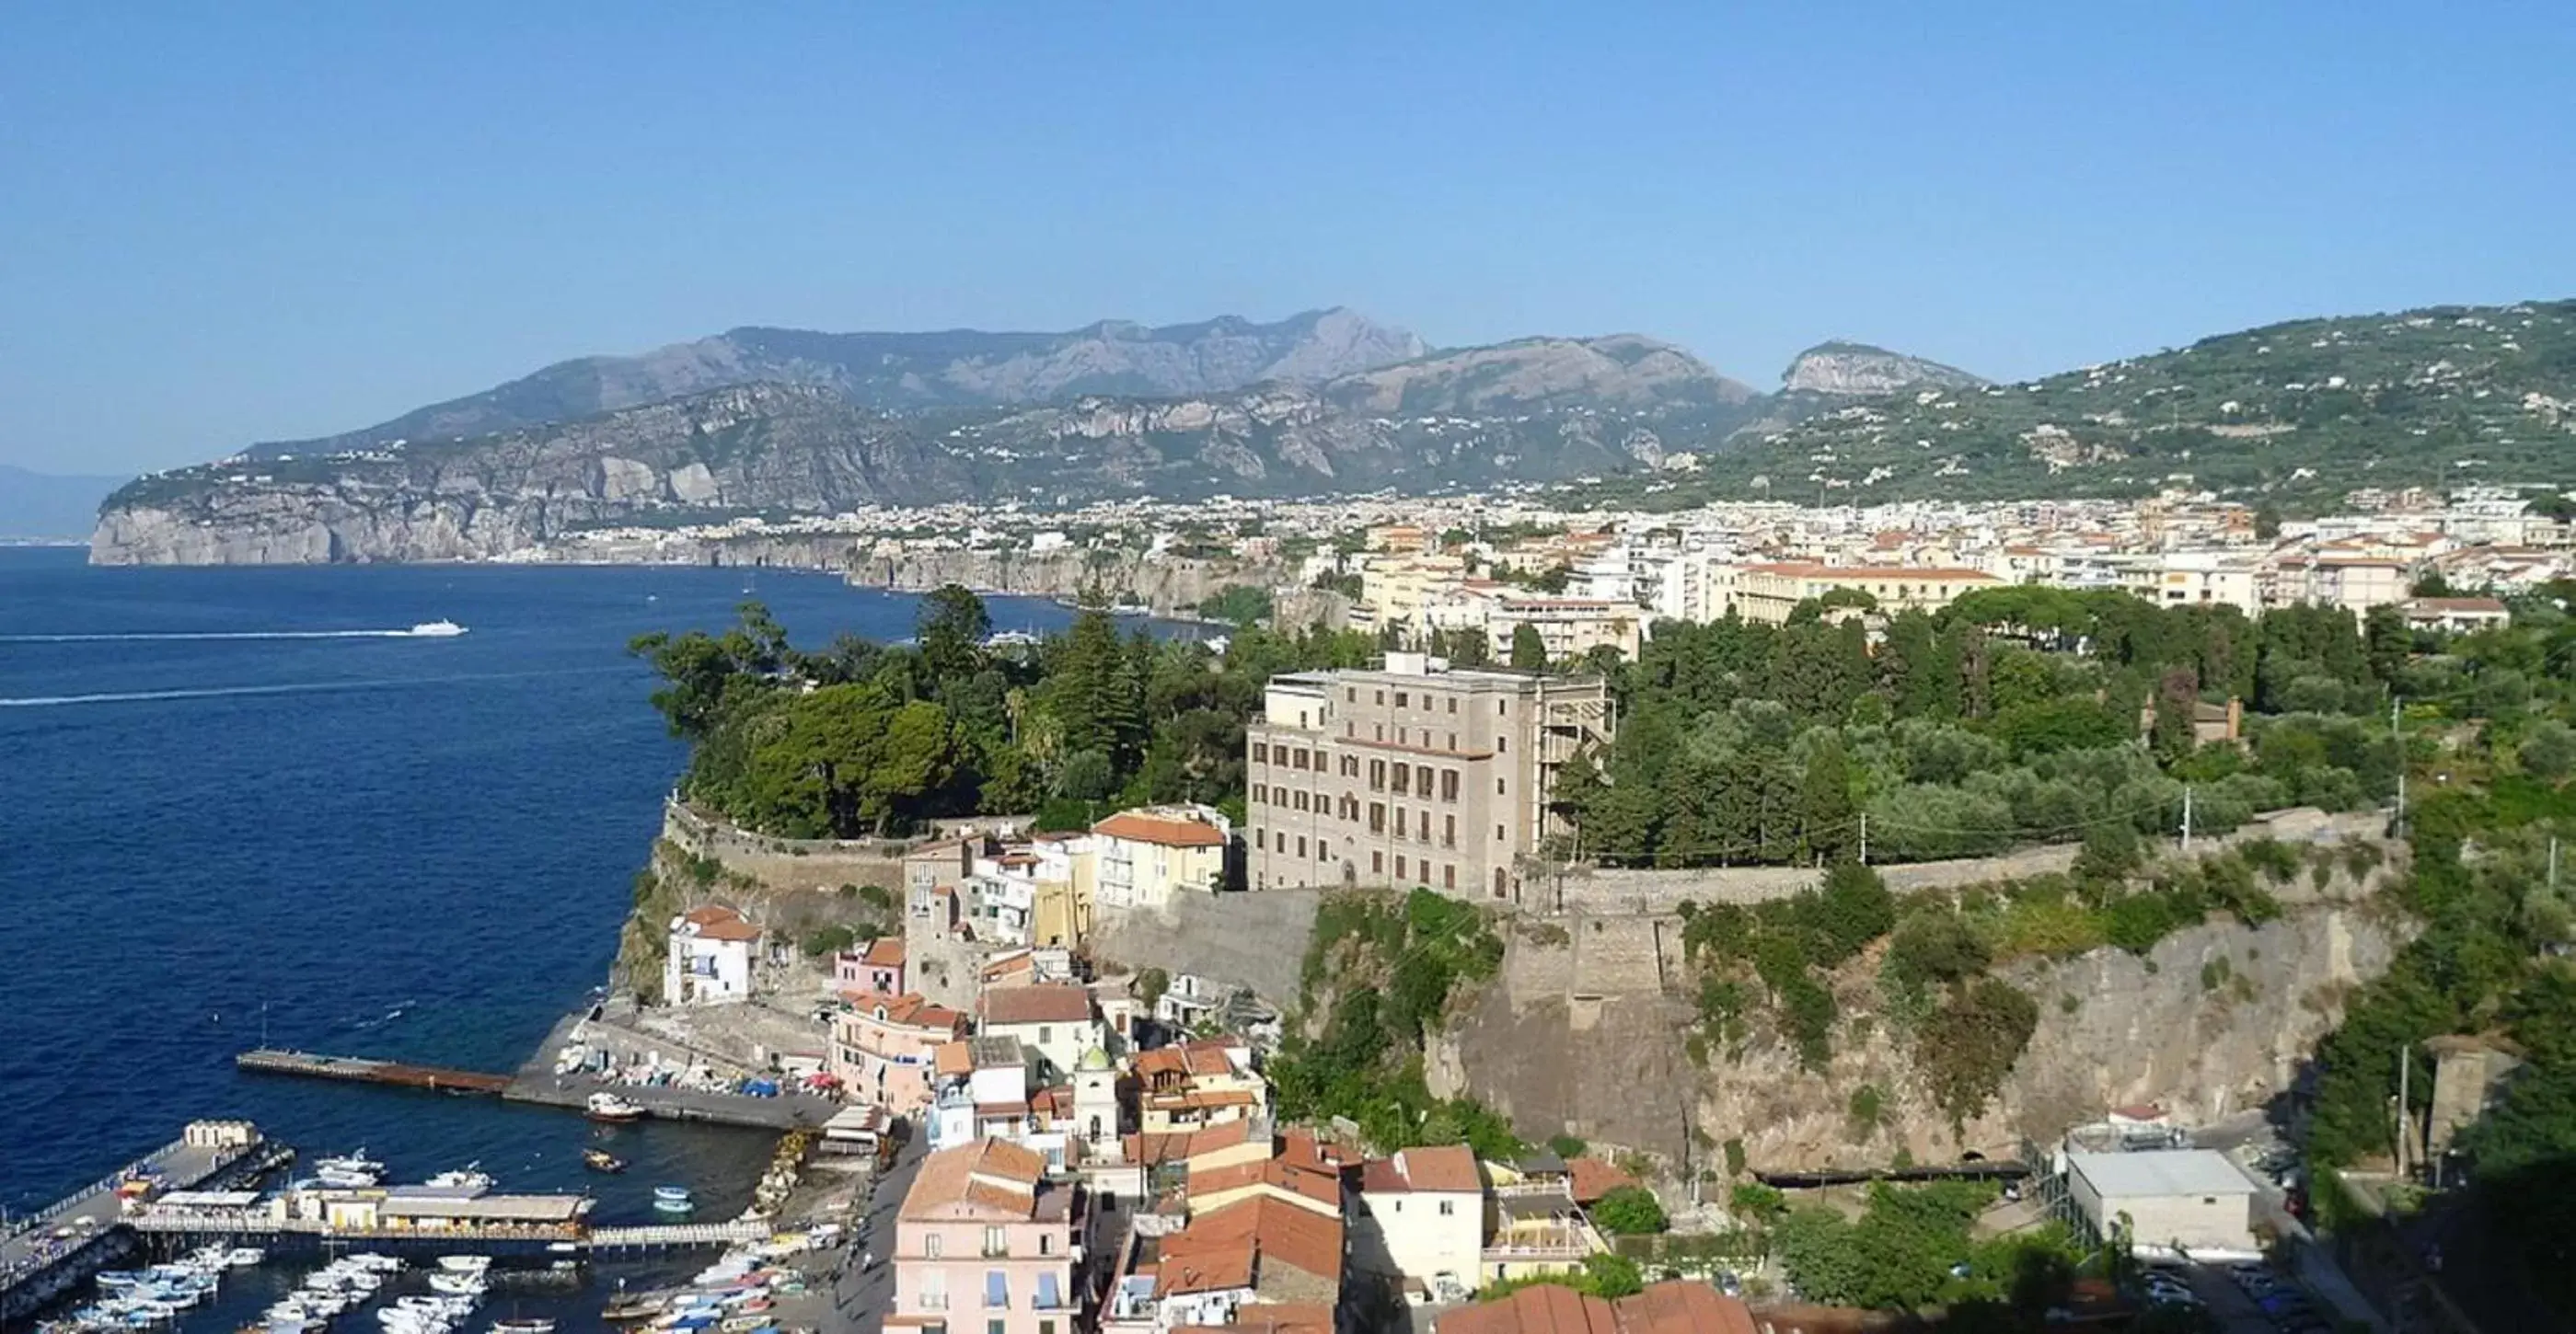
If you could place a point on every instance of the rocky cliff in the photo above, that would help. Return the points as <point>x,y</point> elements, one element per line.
<point>747,449</point>
<point>2213,1020</point>
<point>1842,369</point>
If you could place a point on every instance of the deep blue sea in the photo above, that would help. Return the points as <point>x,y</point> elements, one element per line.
<point>219,825</point>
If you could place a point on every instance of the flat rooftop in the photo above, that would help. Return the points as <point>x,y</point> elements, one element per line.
<point>2161,1172</point>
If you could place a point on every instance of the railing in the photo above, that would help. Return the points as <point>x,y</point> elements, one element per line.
<point>27,1223</point>
<point>930,1301</point>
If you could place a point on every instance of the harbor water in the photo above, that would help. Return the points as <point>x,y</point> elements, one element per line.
<point>244,810</point>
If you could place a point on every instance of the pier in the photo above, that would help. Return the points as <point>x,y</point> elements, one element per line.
<point>437,1079</point>
<point>48,1253</point>
<point>539,1084</point>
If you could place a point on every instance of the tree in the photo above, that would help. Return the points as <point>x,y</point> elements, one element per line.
<point>1150,986</point>
<point>1825,798</point>
<point>1529,652</point>
<point>951,626</point>
<point>1630,1211</point>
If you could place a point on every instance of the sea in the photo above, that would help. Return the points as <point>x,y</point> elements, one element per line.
<point>249,806</point>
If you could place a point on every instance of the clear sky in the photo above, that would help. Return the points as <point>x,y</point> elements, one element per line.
<point>229,222</point>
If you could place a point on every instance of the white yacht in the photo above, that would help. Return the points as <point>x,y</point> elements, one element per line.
<point>438,629</point>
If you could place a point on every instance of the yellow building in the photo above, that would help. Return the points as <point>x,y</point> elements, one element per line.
<point>1146,855</point>
<point>1769,592</point>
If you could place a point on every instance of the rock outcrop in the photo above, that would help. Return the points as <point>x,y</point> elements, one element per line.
<point>2212,1021</point>
<point>1841,369</point>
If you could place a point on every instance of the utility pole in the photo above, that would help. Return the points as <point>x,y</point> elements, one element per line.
<point>2395,734</point>
<point>2553,859</point>
<point>2186,818</point>
<point>1864,848</point>
<point>2405,1114</point>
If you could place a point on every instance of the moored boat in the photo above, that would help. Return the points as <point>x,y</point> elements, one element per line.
<point>601,1160</point>
<point>611,1108</point>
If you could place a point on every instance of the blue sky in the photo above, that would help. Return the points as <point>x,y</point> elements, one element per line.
<point>222,223</point>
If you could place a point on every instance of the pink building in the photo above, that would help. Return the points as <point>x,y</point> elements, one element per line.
<point>886,1047</point>
<point>878,968</point>
<point>984,1244</point>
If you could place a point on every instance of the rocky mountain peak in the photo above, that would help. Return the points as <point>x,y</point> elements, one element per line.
<point>1846,368</point>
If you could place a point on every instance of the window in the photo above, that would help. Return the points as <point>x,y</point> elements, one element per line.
<point>1403,780</point>
<point>996,1241</point>
<point>1449,780</point>
<point>1498,833</point>
<point>1448,831</point>
<point>1257,798</point>
<point>1298,759</point>
<point>1350,695</point>
<point>1502,708</point>
<point>1377,775</point>
<point>1500,790</point>
<point>1448,1207</point>
<point>933,1295</point>
<point>1320,845</point>
<point>1399,822</point>
<point>1400,699</point>
<point>1498,882</point>
<point>1377,863</point>
<point>1046,1241</point>
<point>930,1246</point>
<point>1301,845</point>
<point>1502,744</point>
<point>1399,866</point>
<point>1453,741</point>
<point>1261,752</point>
<point>997,1291</point>
<point>1050,1298</point>
<point>1377,817</point>
<point>1261,839</point>
<point>993,1235</point>
<point>1448,876</point>
<point>1453,703</point>
<point>1381,697</point>
<point>1421,778</point>
<point>1301,801</point>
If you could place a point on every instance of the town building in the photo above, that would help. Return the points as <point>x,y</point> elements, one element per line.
<point>1769,591</point>
<point>885,1048</point>
<point>876,970</point>
<point>1054,1020</point>
<point>2164,1199</point>
<point>1146,856</point>
<point>2456,615</point>
<point>1567,628</point>
<point>1196,1084</point>
<point>1536,1226</point>
<point>984,1241</point>
<point>1415,774</point>
<point>1422,1219</point>
<point>711,953</point>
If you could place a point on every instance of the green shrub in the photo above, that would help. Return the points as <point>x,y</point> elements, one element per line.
<point>1629,1211</point>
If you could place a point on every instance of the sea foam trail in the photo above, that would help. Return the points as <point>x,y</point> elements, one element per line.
<point>285,688</point>
<point>174,635</point>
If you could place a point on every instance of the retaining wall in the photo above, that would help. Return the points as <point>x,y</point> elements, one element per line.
<point>1258,938</point>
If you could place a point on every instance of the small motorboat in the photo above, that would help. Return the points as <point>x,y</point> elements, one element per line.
<point>438,629</point>
<point>463,1178</point>
<point>601,1160</point>
<point>673,1199</point>
<point>524,1324</point>
<point>349,1162</point>
<point>456,1284</point>
<point>244,1257</point>
<point>464,1264</point>
<point>610,1108</point>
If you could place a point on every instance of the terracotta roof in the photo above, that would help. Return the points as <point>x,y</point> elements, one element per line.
<point>1044,1003</point>
<point>2489,605</point>
<point>954,1058</point>
<point>1212,1267</point>
<point>1201,1099</point>
<point>1591,1178</point>
<point>1200,1056</point>
<point>1270,1318</point>
<point>715,922</point>
<point>1676,1307</point>
<point>992,1175</point>
<point>1223,1135</point>
<point>1283,1233</point>
<point>1322,1188</point>
<point>884,952</point>
<point>1446,1167</point>
<point>1169,832</point>
<point>1158,1148</point>
<point>1302,1149</point>
<point>910,1009</point>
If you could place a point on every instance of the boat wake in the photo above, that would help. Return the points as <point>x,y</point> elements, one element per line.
<point>288,688</point>
<point>424,630</point>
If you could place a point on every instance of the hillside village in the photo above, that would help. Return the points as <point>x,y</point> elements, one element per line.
<point>1000,1012</point>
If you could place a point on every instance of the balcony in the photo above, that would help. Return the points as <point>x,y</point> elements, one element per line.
<point>930,1301</point>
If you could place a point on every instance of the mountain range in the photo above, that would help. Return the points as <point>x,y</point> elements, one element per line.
<point>780,422</point>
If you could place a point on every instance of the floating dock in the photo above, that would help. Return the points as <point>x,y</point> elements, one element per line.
<point>359,1069</point>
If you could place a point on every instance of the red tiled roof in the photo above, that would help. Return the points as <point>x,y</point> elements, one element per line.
<point>1322,1188</point>
<point>1170,833</point>
<point>1282,1232</point>
<point>976,1174</point>
<point>1676,1307</point>
<point>911,1009</point>
<point>1446,1167</point>
<point>884,952</point>
<point>1591,1178</point>
<point>716,922</point>
<point>1045,1003</point>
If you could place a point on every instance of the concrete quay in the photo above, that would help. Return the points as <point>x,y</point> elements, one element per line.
<point>537,1083</point>
<point>59,1248</point>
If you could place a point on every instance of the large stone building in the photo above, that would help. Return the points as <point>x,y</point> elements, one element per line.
<point>1412,775</point>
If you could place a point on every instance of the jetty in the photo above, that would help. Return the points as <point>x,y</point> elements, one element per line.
<point>49,1252</point>
<point>359,1069</point>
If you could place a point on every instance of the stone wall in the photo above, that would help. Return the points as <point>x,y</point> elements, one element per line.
<point>1646,893</point>
<point>1258,939</point>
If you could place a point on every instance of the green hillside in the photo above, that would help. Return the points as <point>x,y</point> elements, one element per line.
<point>2305,410</point>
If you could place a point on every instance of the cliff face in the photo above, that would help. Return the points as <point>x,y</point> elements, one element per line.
<point>761,447</point>
<point>2203,1038</point>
